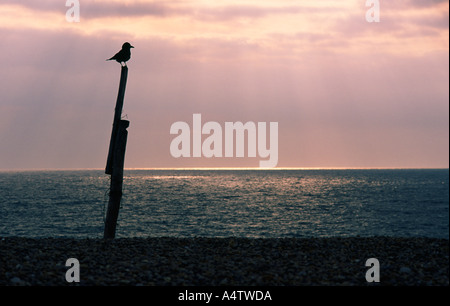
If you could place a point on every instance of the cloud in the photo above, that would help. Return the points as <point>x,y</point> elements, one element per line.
<point>43,5</point>
<point>232,12</point>
<point>422,3</point>
<point>103,9</point>
<point>335,83</point>
<point>138,9</point>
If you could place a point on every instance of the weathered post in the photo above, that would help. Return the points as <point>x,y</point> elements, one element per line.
<point>117,117</point>
<point>116,158</point>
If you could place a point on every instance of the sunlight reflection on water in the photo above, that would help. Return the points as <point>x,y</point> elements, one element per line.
<point>282,203</point>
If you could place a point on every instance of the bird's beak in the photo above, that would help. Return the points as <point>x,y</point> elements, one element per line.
<point>131,47</point>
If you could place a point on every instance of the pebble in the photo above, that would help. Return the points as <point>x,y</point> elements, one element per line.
<point>16,281</point>
<point>405,270</point>
<point>225,261</point>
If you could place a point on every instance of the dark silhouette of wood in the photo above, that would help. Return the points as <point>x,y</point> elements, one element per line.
<point>116,159</point>
<point>115,192</point>
<point>117,117</point>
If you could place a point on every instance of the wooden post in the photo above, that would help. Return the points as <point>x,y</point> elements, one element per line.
<point>115,192</point>
<point>117,117</point>
<point>116,159</point>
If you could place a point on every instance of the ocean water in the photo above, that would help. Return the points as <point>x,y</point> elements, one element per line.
<point>224,203</point>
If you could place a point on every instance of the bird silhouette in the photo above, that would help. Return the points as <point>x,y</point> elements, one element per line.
<point>123,55</point>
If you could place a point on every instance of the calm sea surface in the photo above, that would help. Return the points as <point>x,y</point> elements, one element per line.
<point>224,203</point>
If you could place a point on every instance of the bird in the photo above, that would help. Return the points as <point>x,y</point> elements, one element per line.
<point>123,55</point>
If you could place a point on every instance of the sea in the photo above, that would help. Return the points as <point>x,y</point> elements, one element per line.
<point>275,203</point>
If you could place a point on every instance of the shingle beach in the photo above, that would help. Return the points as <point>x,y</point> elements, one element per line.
<point>225,261</point>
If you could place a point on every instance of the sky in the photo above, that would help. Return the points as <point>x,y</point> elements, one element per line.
<point>345,92</point>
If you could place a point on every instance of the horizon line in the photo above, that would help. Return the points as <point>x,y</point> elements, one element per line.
<point>227,168</point>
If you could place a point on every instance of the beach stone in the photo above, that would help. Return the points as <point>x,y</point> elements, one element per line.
<point>405,270</point>
<point>223,282</point>
<point>160,261</point>
<point>16,281</point>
